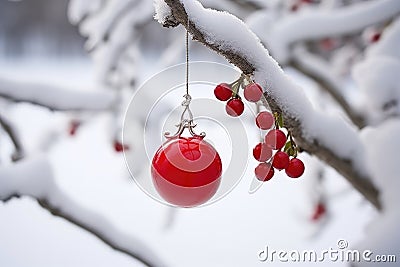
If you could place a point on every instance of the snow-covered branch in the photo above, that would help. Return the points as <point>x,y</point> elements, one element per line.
<point>55,98</point>
<point>34,178</point>
<point>13,135</point>
<point>329,138</point>
<point>377,76</point>
<point>323,23</point>
<point>314,67</point>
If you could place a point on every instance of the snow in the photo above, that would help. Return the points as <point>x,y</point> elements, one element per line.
<point>378,78</point>
<point>100,24</point>
<point>214,24</point>
<point>91,174</point>
<point>112,38</point>
<point>382,151</point>
<point>34,177</point>
<point>87,180</point>
<point>162,11</point>
<point>377,75</point>
<point>79,9</point>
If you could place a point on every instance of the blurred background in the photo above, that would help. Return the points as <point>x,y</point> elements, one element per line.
<point>104,50</point>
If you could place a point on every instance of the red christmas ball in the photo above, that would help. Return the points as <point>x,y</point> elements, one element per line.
<point>186,171</point>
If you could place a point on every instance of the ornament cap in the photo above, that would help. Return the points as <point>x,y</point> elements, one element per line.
<point>186,123</point>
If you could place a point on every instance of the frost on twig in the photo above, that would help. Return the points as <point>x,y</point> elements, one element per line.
<point>34,178</point>
<point>317,133</point>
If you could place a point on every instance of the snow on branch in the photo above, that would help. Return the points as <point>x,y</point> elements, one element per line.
<point>377,75</point>
<point>55,98</point>
<point>14,137</point>
<point>324,23</point>
<point>317,69</point>
<point>328,137</point>
<point>34,178</point>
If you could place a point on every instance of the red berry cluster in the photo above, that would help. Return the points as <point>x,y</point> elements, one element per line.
<point>275,139</point>
<point>230,93</point>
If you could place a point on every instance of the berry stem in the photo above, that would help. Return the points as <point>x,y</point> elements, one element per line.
<point>293,144</point>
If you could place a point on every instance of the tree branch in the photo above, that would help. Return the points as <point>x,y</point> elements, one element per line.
<point>55,98</point>
<point>307,63</point>
<point>8,128</point>
<point>34,178</point>
<point>317,25</point>
<point>279,92</point>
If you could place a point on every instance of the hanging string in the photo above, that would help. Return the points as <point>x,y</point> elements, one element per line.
<point>187,116</point>
<point>187,56</point>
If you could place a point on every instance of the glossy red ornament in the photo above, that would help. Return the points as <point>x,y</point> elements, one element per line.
<point>186,171</point>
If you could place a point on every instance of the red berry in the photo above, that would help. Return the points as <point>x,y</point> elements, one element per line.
<point>327,44</point>
<point>119,147</point>
<point>264,172</point>
<point>264,120</point>
<point>73,127</point>
<point>294,7</point>
<point>253,92</point>
<point>262,152</point>
<point>375,37</point>
<point>295,168</point>
<point>223,91</point>
<point>234,107</point>
<point>186,171</point>
<point>319,211</point>
<point>275,139</point>
<point>281,160</point>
